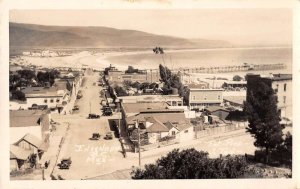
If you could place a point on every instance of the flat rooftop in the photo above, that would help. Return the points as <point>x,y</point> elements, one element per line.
<point>139,107</point>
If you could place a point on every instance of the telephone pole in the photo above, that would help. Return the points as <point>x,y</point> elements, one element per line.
<point>139,142</point>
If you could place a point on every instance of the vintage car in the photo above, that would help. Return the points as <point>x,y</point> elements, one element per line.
<point>108,136</point>
<point>95,136</point>
<point>75,108</point>
<point>107,111</point>
<point>65,163</point>
<point>93,116</point>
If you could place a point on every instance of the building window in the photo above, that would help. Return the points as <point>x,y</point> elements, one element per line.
<point>57,100</point>
<point>45,100</point>
<point>284,99</point>
<point>284,87</point>
<point>51,100</point>
<point>219,97</point>
<point>173,133</point>
<point>186,131</point>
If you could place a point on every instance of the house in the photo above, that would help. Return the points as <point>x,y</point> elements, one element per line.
<point>201,98</point>
<point>157,121</point>
<point>282,86</point>
<point>218,111</point>
<point>160,126</point>
<point>33,122</point>
<point>19,158</point>
<point>33,144</point>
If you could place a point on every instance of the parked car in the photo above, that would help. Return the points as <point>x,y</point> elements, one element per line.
<point>95,136</point>
<point>107,111</point>
<point>75,108</point>
<point>65,163</point>
<point>93,116</point>
<point>109,136</point>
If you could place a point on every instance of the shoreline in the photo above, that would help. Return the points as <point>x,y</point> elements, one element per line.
<point>102,60</point>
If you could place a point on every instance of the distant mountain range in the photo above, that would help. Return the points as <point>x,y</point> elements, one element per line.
<point>30,35</point>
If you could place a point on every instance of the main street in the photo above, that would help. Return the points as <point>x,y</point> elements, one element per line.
<point>93,158</point>
<point>89,157</point>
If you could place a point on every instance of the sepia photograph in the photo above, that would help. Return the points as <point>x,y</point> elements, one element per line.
<point>138,94</point>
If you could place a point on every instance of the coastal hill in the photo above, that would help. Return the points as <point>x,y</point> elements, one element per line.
<point>30,35</point>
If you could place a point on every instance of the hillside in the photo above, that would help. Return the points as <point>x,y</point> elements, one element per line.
<point>29,35</point>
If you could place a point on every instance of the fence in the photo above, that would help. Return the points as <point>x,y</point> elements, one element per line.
<point>160,144</point>
<point>219,129</point>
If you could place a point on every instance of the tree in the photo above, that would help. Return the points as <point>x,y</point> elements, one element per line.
<point>263,117</point>
<point>127,84</point>
<point>27,74</point>
<point>237,78</point>
<point>170,80</point>
<point>192,164</point>
<point>18,95</point>
<point>120,91</point>
<point>162,73</point>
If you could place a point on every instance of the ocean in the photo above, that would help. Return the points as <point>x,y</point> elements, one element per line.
<point>207,58</point>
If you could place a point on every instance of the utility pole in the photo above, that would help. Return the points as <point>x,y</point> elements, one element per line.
<point>139,142</point>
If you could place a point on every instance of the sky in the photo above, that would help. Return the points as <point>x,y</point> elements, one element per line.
<point>238,26</point>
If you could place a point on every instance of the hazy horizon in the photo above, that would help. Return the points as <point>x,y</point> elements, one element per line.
<point>237,26</point>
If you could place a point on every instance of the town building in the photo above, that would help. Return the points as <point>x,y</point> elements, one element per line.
<point>200,98</point>
<point>282,86</point>
<point>235,85</point>
<point>113,75</point>
<point>55,97</point>
<point>172,100</point>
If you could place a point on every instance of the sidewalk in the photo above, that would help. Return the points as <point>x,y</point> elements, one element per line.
<point>52,153</point>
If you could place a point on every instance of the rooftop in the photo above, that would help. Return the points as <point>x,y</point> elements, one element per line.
<point>235,99</point>
<point>17,152</point>
<point>138,107</point>
<point>273,77</point>
<point>42,91</point>
<point>149,98</point>
<point>33,140</point>
<point>235,82</point>
<point>26,118</point>
<point>215,108</point>
<point>178,118</point>
<point>200,85</point>
<point>279,77</point>
<point>156,126</point>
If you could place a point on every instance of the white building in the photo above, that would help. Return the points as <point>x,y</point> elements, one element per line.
<point>54,97</point>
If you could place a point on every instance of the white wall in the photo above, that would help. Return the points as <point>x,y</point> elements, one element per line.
<point>40,101</point>
<point>187,136</point>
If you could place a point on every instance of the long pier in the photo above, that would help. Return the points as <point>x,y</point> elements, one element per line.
<point>226,69</point>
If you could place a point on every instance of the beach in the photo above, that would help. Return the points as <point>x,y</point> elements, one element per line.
<point>174,59</point>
